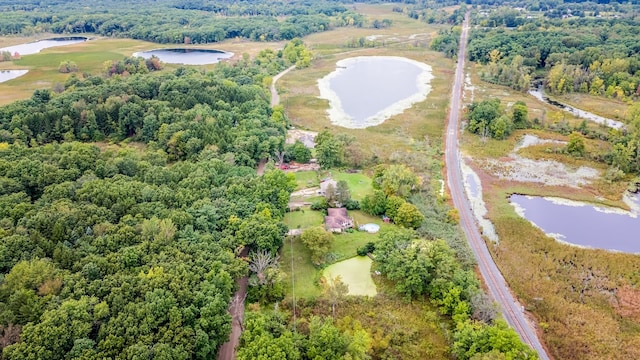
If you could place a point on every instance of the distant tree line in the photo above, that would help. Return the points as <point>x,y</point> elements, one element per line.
<point>177,21</point>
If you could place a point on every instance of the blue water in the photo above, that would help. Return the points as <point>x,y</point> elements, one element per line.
<point>591,226</point>
<point>473,185</point>
<point>367,87</point>
<point>36,46</point>
<point>6,75</point>
<point>187,56</point>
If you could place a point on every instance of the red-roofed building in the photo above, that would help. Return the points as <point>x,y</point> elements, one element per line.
<point>337,220</point>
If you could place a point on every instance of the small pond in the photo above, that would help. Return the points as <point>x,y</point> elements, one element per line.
<point>6,75</point>
<point>365,91</point>
<point>583,224</point>
<point>355,272</point>
<point>187,56</point>
<point>539,94</point>
<point>36,46</point>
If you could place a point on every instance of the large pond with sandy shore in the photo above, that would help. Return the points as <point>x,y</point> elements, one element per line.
<point>367,90</point>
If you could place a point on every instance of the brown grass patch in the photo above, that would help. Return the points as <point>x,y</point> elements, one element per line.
<point>628,302</point>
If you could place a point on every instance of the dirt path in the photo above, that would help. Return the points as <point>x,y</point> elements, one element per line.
<point>236,308</point>
<point>275,98</point>
<point>261,165</point>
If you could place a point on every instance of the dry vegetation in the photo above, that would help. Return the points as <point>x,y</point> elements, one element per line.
<point>408,38</point>
<point>585,301</point>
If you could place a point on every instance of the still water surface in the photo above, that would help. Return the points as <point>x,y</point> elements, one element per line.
<point>187,56</point>
<point>364,91</point>
<point>36,46</point>
<point>583,224</point>
<point>6,75</point>
<point>539,94</point>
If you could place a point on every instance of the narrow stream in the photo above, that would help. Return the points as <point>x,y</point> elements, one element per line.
<point>538,93</point>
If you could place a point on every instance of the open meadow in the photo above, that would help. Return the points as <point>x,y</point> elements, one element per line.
<point>90,57</point>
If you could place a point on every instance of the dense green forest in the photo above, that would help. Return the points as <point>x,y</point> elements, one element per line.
<point>114,251</point>
<point>177,21</point>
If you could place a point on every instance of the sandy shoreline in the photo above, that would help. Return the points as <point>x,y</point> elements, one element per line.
<point>339,117</point>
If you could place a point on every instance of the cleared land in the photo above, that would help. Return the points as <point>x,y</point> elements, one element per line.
<point>90,57</point>
<point>407,38</point>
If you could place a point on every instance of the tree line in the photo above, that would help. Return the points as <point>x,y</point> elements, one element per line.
<point>176,21</point>
<point>183,112</point>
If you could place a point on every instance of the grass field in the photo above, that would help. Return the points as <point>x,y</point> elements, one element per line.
<point>303,219</point>
<point>609,108</point>
<point>359,184</point>
<point>306,179</point>
<point>304,274</point>
<point>344,247</point>
<point>90,57</point>
<point>408,38</point>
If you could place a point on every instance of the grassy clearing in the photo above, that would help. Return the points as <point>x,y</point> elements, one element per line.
<point>303,219</point>
<point>306,179</point>
<point>346,244</point>
<point>304,273</point>
<point>407,38</point>
<point>90,57</point>
<point>359,184</point>
<point>609,108</point>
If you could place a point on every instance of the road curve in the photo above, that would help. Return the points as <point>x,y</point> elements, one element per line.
<point>275,98</point>
<point>498,289</point>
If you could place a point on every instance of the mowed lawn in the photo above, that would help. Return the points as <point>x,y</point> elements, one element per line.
<point>359,183</point>
<point>303,219</point>
<point>345,245</point>
<point>306,179</point>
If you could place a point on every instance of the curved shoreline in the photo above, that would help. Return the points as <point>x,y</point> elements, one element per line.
<point>339,117</point>
<point>16,74</point>
<point>183,51</point>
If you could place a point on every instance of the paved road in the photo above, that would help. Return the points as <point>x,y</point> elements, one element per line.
<point>498,289</point>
